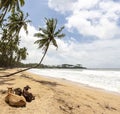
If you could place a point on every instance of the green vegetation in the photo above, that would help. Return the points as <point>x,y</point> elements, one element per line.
<point>10,52</point>
<point>47,36</point>
<point>65,66</point>
<point>9,6</point>
<point>12,19</point>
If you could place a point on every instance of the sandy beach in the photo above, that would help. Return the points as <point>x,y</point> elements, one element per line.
<point>57,96</point>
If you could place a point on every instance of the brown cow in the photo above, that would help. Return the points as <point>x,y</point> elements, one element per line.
<point>28,96</point>
<point>15,100</point>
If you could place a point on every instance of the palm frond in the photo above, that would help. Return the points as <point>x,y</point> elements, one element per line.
<point>60,35</point>
<point>43,30</point>
<point>41,42</point>
<point>40,35</point>
<point>54,25</point>
<point>22,2</point>
<point>54,43</point>
<point>48,34</point>
<point>59,31</point>
<point>25,28</point>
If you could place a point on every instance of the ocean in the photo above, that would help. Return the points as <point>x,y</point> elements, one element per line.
<point>107,79</point>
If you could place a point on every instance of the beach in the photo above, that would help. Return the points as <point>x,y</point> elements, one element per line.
<point>57,96</point>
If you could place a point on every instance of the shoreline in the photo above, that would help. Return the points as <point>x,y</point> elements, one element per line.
<point>58,96</point>
<point>78,83</point>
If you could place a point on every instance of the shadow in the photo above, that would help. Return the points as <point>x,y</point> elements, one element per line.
<point>41,81</point>
<point>3,91</point>
<point>1,69</point>
<point>6,81</point>
<point>3,73</point>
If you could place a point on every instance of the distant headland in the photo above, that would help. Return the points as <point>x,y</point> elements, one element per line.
<point>67,66</point>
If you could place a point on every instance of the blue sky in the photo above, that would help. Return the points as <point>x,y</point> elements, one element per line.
<point>39,9</point>
<point>92,29</point>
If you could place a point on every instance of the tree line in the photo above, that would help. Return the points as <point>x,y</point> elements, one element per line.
<point>12,20</point>
<point>10,51</point>
<point>69,66</point>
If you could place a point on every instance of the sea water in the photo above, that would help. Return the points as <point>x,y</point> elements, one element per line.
<point>104,79</point>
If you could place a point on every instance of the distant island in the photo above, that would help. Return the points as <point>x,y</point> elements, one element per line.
<point>67,66</point>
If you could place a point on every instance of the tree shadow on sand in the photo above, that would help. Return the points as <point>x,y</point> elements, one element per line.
<point>41,81</point>
<point>6,81</point>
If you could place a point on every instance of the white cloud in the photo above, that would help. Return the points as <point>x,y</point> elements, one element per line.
<point>91,17</point>
<point>34,54</point>
<point>97,18</point>
<point>85,4</point>
<point>61,5</point>
<point>91,23</point>
<point>100,53</point>
<point>96,54</point>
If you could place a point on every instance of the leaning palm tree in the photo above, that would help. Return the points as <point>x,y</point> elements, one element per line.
<point>47,36</point>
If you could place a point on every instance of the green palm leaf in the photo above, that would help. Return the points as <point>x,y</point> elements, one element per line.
<point>60,35</point>
<point>59,31</point>
<point>54,43</point>
<point>47,35</point>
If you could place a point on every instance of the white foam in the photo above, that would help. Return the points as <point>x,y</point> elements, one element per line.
<point>108,80</point>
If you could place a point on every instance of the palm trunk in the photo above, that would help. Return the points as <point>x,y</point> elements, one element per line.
<point>28,67</point>
<point>2,18</point>
<point>11,60</point>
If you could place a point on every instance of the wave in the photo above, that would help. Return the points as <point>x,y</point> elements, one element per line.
<point>104,79</point>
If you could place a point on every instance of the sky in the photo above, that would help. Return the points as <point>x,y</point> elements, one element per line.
<point>92,29</point>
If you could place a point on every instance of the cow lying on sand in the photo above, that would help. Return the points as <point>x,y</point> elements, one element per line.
<point>14,100</point>
<point>27,95</point>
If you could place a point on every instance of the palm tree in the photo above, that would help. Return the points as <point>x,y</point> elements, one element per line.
<point>4,47</point>
<point>47,36</point>
<point>16,22</point>
<point>10,35</point>
<point>9,5</point>
<point>21,54</point>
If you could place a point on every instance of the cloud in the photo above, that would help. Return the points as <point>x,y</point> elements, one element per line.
<point>96,54</point>
<point>34,54</point>
<point>61,5</point>
<point>100,53</point>
<point>91,18</point>
<point>98,18</point>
